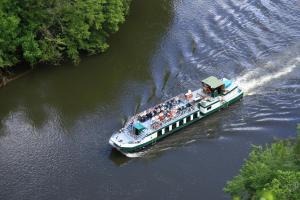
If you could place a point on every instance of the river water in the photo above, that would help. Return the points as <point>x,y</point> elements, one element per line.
<point>55,122</point>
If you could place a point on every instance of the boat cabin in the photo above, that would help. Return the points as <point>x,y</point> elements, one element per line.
<point>213,86</point>
<point>138,128</point>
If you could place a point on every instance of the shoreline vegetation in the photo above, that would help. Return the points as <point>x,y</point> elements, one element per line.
<point>38,31</point>
<point>270,173</point>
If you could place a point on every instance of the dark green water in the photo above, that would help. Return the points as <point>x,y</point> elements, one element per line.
<point>55,122</point>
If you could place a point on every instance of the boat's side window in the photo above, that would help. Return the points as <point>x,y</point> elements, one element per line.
<point>209,108</point>
<point>195,115</point>
<point>165,130</point>
<point>159,133</point>
<point>188,119</point>
<point>174,126</point>
<point>181,122</point>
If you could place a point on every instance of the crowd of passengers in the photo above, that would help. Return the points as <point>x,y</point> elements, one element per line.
<point>163,109</point>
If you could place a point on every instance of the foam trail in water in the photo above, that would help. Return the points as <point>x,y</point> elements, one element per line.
<point>135,155</point>
<point>250,81</point>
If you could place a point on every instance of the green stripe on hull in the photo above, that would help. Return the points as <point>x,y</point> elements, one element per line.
<point>144,145</point>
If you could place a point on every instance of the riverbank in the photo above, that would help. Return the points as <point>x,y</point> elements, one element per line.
<point>7,79</point>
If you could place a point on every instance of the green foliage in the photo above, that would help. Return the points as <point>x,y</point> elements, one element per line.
<point>8,39</point>
<point>47,31</point>
<point>297,146</point>
<point>270,173</point>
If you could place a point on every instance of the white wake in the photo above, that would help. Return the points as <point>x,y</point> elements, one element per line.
<point>251,81</point>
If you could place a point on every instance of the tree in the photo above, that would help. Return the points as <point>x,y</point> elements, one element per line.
<point>8,39</point>
<point>47,31</point>
<point>269,173</point>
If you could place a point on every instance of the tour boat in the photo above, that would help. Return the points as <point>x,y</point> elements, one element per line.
<point>154,124</point>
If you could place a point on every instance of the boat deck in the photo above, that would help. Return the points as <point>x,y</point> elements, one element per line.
<point>179,106</point>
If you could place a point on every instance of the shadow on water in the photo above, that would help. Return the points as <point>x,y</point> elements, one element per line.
<point>118,158</point>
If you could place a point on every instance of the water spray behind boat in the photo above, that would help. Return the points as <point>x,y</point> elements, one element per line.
<point>251,81</point>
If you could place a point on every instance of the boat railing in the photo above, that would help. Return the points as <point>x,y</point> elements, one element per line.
<point>179,114</point>
<point>170,110</point>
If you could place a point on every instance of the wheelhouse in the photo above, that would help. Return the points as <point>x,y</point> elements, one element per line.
<point>213,86</point>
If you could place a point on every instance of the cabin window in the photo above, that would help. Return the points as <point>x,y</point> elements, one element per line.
<point>209,108</point>
<point>163,131</point>
<point>181,122</point>
<point>170,127</point>
<point>195,115</point>
<point>198,114</point>
<point>188,119</point>
<point>159,133</point>
<point>177,124</point>
<point>184,120</point>
<point>173,126</point>
<point>192,117</point>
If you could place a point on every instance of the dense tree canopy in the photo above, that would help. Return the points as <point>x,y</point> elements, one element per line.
<point>270,173</point>
<point>49,30</point>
